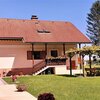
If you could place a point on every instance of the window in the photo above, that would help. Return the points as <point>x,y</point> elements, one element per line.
<point>40,31</point>
<point>54,53</point>
<point>39,54</point>
<point>36,55</point>
<point>43,31</point>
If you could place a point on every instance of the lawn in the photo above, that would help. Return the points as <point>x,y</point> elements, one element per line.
<point>63,87</point>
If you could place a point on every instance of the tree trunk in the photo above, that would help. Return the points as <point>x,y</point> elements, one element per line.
<point>83,65</point>
<point>80,57</point>
<point>70,61</point>
<point>90,64</point>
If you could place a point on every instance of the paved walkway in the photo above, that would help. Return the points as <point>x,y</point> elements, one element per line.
<point>1,83</point>
<point>9,92</point>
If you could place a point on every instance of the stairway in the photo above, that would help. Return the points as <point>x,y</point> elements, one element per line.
<point>40,71</point>
<point>39,67</point>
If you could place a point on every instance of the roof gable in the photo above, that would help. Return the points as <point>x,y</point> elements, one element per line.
<point>51,31</point>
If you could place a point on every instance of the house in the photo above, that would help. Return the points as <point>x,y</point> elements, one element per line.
<point>37,46</point>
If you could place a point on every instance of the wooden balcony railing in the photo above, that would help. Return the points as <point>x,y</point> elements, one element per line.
<point>56,61</point>
<point>39,66</point>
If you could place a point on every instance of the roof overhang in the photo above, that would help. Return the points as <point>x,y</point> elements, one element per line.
<point>59,42</point>
<point>12,38</point>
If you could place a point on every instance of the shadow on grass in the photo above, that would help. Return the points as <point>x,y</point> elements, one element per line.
<point>67,75</point>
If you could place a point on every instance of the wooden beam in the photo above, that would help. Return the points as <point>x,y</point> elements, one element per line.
<point>46,48</point>
<point>32,55</point>
<point>90,63</point>
<point>64,48</point>
<point>32,47</point>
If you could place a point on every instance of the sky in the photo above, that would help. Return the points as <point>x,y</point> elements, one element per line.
<point>74,11</point>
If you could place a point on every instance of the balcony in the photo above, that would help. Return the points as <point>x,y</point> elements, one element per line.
<point>56,61</point>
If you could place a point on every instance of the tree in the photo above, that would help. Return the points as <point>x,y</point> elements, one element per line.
<point>93,20</point>
<point>87,50</point>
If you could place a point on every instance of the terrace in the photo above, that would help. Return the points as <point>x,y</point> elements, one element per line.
<point>56,61</point>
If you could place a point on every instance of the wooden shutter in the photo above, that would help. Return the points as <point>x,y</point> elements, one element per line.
<point>29,55</point>
<point>42,54</point>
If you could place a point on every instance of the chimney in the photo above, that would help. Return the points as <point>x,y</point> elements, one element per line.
<point>34,17</point>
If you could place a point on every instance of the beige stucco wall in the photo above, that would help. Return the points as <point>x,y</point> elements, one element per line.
<point>61,69</point>
<point>58,47</point>
<point>13,54</point>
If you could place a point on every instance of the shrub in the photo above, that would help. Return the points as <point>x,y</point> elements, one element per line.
<point>14,78</point>
<point>21,73</point>
<point>21,87</point>
<point>46,96</point>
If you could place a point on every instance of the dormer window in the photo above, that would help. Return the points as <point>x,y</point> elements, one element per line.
<point>41,28</point>
<point>40,31</point>
<point>46,31</point>
<point>43,31</point>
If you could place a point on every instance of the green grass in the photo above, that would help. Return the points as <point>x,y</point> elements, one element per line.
<point>63,88</point>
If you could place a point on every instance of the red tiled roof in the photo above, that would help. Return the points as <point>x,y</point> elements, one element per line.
<point>30,31</point>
